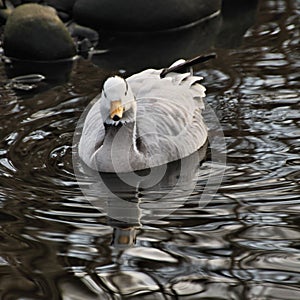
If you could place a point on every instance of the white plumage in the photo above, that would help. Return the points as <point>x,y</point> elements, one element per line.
<point>155,120</point>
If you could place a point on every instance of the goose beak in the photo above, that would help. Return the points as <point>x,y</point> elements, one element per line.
<point>116,110</point>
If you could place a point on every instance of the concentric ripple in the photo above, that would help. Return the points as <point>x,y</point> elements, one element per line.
<point>244,244</point>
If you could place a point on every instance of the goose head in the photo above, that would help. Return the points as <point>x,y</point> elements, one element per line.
<point>117,103</point>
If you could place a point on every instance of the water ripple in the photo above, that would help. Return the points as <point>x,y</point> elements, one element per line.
<point>244,244</point>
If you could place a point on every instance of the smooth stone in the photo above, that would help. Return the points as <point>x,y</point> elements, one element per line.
<point>64,8</point>
<point>35,32</point>
<point>134,15</point>
<point>62,5</point>
<point>134,52</point>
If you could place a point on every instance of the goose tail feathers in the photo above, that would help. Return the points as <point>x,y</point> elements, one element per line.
<point>183,65</point>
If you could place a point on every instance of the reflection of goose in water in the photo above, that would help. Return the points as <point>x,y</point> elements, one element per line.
<point>130,200</point>
<point>149,119</point>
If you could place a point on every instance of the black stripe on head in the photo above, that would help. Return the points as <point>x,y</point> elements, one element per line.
<point>103,92</point>
<point>126,87</point>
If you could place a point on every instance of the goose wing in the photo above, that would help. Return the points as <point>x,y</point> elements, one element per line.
<point>93,133</point>
<point>169,120</point>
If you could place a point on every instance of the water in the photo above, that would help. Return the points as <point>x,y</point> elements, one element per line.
<point>243,244</point>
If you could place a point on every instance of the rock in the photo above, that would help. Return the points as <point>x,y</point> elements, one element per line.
<point>86,38</point>
<point>35,32</point>
<point>5,11</point>
<point>63,7</point>
<point>134,52</point>
<point>133,15</point>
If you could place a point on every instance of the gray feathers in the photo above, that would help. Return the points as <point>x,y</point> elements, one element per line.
<point>168,125</point>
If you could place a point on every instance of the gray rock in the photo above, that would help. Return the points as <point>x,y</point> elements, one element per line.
<point>134,15</point>
<point>64,8</point>
<point>62,5</point>
<point>34,32</point>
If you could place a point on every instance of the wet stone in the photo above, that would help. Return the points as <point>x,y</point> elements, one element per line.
<point>35,32</point>
<point>132,15</point>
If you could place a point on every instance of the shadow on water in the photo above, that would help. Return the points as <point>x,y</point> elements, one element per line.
<point>244,244</point>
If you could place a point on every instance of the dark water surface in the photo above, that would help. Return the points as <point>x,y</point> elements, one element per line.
<point>243,244</point>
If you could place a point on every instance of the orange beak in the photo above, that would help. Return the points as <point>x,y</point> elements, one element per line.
<point>116,109</point>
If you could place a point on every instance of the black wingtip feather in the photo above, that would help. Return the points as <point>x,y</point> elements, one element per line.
<point>188,63</point>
